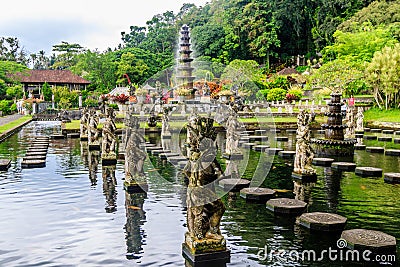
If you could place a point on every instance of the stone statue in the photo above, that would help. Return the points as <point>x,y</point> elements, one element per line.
<point>350,122</point>
<point>84,124</point>
<point>304,154</point>
<point>205,209</point>
<point>134,155</point>
<point>109,191</point>
<point>360,120</point>
<point>93,132</point>
<point>152,120</point>
<point>165,129</point>
<point>109,138</point>
<point>232,135</point>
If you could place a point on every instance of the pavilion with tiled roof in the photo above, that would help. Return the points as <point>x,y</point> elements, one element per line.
<point>33,80</point>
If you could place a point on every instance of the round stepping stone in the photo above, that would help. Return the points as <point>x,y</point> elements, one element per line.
<point>288,154</point>
<point>291,131</point>
<point>396,140</point>
<point>375,149</point>
<point>370,137</point>
<point>260,148</point>
<point>257,194</point>
<point>176,159</point>
<point>325,162</point>
<point>368,172</point>
<point>392,152</point>
<point>5,164</point>
<point>344,166</point>
<point>234,185</point>
<point>322,221</point>
<point>260,132</point>
<point>248,145</point>
<point>375,241</point>
<point>259,138</point>
<point>245,138</point>
<point>392,177</point>
<point>385,139</point>
<point>166,155</point>
<point>275,130</point>
<point>359,147</point>
<point>367,129</point>
<point>73,135</point>
<point>158,152</point>
<point>248,132</point>
<point>321,131</point>
<point>273,150</point>
<point>397,133</point>
<point>286,206</point>
<point>57,136</point>
<point>376,130</point>
<point>33,163</point>
<point>281,138</point>
<point>358,135</point>
<point>388,131</point>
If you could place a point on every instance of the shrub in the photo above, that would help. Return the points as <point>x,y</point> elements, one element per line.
<point>262,94</point>
<point>276,94</point>
<point>5,106</point>
<point>295,93</point>
<point>113,106</point>
<point>64,103</point>
<point>15,91</point>
<point>90,102</point>
<point>13,108</point>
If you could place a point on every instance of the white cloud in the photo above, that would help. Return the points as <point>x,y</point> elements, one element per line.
<point>94,24</point>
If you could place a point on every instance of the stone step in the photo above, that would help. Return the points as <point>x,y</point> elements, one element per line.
<point>397,133</point>
<point>248,145</point>
<point>388,131</point>
<point>344,166</point>
<point>234,185</point>
<point>168,154</point>
<point>281,138</point>
<point>385,139</point>
<point>374,241</point>
<point>33,163</point>
<point>376,130</point>
<point>273,151</point>
<point>368,172</point>
<point>291,131</point>
<point>27,154</point>
<point>257,194</point>
<point>57,136</point>
<point>367,129</point>
<point>287,154</point>
<point>322,221</point>
<point>370,137</point>
<point>260,132</point>
<point>5,164</point>
<point>73,135</point>
<point>158,152</point>
<point>375,149</point>
<point>260,148</point>
<point>396,140</point>
<point>35,157</point>
<point>258,138</point>
<point>325,162</point>
<point>286,206</point>
<point>392,177</point>
<point>392,152</point>
<point>321,131</point>
<point>359,147</point>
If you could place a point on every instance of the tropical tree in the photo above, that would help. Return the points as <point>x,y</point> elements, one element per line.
<point>66,55</point>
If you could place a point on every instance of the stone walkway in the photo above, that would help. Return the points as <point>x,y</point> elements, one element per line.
<point>9,118</point>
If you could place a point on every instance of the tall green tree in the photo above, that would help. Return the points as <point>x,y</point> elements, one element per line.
<point>135,68</point>
<point>66,55</point>
<point>11,50</point>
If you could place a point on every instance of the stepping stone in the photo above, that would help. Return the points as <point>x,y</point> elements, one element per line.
<point>33,163</point>
<point>38,157</point>
<point>40,144</point>
<point>245,138</point>
<point>367,129</point>
<point>234,185</point>
<point>375,241</point>
<point>385,139</point>
<point>260,138</point>
<point>325,162</point>
<point>388,131</point>
<point>359,131</point>
<point>260,148</point>
<point>176,159</point>
<point>376,130</point>
<point>273,150</point>
<point>159,151</point>
<point>291,131</point>
<point>370,137</point>
<point>392,152</point>
<point>257,194</point>
<point>34,150</point>
<point>42,138</point>
<point>169,154</point>
<point>396,140</point>
<point>38,147</point>
<point>73,135</point>
<point>248,145</point>
<point>260,132</point>
<point>368,172</point>
<point>35,154</point>
<point>275,131</point>
<point>248,132</point>
<point>57,136</point>
<point>281,138</point>
<point>359,147</point>
<point>322,221</point>
<point>321,131</point>
<point>375,149</point>
<point>288,154</point>
<point>359,135</point>
<point>392,177</point>
<point>5,164</point>
<point>149,149</point>
<point>286,206</point>
<point>344,166</point>
<point>397,133</point>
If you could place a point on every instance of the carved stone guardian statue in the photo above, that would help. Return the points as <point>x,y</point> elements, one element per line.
<point>84,124</point>
<point>93,132</point>
<point>109,139</point>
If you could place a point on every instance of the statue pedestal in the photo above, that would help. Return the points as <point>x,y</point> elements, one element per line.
<point>84,137</point>
<point>94,146</point>
<point>135,187</point>
<point>108,159</point>
<point>307,178</point>
<point>210,258</point>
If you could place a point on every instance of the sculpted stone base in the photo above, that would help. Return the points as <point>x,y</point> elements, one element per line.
<point>212,243</point>
<point>94,145</point>
<point>109,159</point>
<point>215,258</point>
<point>84,137</point>
<point>307,178</point>
<point>135,185</point>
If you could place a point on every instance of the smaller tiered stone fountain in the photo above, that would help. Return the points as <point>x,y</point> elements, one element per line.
<point>334,143</point>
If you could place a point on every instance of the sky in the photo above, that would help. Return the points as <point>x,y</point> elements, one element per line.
<point>93,24</point>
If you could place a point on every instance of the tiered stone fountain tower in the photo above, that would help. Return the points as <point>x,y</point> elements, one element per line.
<point>184,76</point>
<point>334,143</point>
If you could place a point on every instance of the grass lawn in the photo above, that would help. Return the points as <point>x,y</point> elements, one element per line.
<point>12,124</point>
<point>375,114</point>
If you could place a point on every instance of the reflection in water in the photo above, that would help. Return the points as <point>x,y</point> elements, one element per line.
<point>302,191</point>
<point>135,218</point>
<point>332,188</point>
<point>109,183</point>
<point>84,153</point>
<point>93,160</point>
